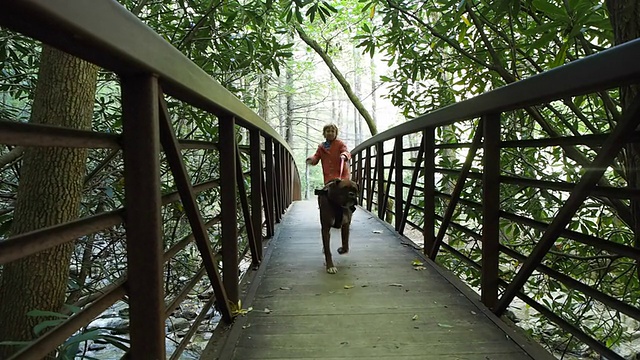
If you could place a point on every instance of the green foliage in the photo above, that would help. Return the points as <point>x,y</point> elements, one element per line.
<point>440,52</point>
<point>70,348</point>
<point>468,48</point>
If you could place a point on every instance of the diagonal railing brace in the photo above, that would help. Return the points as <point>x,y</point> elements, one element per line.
<point>185,189</point>
<point>610,149</point>
<point>457,190</point>
<point>244,203</point>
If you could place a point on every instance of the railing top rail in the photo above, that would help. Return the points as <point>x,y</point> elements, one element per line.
<point>106,34</point>
<point>617,66</point>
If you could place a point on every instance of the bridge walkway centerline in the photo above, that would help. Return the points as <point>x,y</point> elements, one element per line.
<point>380,304</point>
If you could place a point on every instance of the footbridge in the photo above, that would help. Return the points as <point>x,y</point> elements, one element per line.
<point>451,237</point>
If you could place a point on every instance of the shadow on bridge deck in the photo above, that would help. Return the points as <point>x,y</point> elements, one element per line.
<point>377,306</point>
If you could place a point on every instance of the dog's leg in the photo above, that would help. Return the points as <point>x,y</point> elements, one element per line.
<point>344,231</point>
<point>331,269</point>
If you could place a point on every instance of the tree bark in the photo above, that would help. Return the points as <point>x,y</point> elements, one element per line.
<point>289,102</point>
<point>263,99</point>
<point>49,192</point>
<point>625,21</point>
<point>374,86</point>
<point>11,156</point>
<point>341,79</point>
<point>357,129</point>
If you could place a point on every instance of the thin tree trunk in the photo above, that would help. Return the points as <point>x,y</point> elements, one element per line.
<point>338,75</point>
<point>263,102</point>
<point>289,112</point>
<point>374,86</point>
<point>11,156</point>
<point>49,191</point>
<point>282,94</point>
<point>307,150</point>
<point>358,86</point>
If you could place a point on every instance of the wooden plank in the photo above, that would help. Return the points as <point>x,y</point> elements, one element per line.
<point>413,357</point>
<point>382,350</point>
<point>377,305</point>
<point>382,322</point>
<point>345,337</point>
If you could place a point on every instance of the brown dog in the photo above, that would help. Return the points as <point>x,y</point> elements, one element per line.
<point>337,202</point>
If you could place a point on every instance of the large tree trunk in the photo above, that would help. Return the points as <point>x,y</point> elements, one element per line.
<point>49,192</point>
<point>625,21</point>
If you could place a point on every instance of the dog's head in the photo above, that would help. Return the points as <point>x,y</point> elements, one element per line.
<point>343,192</point>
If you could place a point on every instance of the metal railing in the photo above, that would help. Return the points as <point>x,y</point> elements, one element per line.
<point>454,196</point>
<point>150,70</point>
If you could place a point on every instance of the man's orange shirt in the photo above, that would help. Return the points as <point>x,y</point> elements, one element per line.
<point>331,160</point>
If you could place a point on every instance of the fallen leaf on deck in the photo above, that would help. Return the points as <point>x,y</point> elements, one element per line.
<point>415,317</point>
<point>377,231</point>
<point>242,312</point>
<point>348,286</point>
<point>419,268</point>
<point>267,311</point>
<point>236,309</point>
<point>444,325</point>
<point>396,285</point>
<point>284,288</point>
<point>417,263</point>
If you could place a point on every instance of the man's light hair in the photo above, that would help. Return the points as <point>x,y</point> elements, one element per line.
<point>330,126</point>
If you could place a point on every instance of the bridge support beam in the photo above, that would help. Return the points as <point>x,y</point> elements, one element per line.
<point>141,151</point>
<point>256,188</point>
<point>229,209</point>
<point>490,210</point>
<point>429,136</point>
<point>399,183</point>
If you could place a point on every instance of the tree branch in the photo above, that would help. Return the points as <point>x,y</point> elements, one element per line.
<point>11,156</point>
<point>338,75</point>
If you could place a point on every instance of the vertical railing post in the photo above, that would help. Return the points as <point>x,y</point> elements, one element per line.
<point>255,157</point>
<point>270,194</point>
<point>229,208</point>
<point>429,189</point>
<point>359,177</point>
<point>284,183</point>
<point>281,180</point>
<point>289,178</point>
<point>141,151</point>
<point>297,187</point>
<point>285,178</point>
<point>380,172</point>
<point>369,179</point>
<point>287,183</point>
<point>356,168</point>
<point>399,180</point>
<point>277,180</point>
<point>490,210</point>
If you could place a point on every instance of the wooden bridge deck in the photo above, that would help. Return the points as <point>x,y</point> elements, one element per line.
<point>377,306</point>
